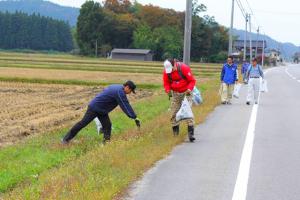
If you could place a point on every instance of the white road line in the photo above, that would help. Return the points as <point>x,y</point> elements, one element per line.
<point>290,75</point>
<point>241,185</point>
<point>299,81</point>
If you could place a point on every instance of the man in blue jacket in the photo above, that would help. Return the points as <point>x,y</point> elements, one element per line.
<point>244,70</point>
<point>101,105</point>
<point>229,76</point>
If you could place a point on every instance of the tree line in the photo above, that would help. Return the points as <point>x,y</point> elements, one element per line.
<point>22,31</point>
<point>122,24</point>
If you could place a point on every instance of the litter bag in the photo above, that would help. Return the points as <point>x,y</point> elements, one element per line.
<point>197,98</point>
<point>236,90</point>
<point>185,111</point>
<point>98,125</point>
<point>263,86</point>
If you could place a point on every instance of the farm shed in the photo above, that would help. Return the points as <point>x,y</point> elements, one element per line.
<point>132,54</point>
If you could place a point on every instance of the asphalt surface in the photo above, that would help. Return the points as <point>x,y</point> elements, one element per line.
<point>252,152</point>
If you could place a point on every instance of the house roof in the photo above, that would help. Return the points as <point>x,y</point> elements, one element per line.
<point>240,44</point>
<point>131,51</point>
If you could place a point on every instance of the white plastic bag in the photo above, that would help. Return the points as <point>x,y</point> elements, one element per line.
<point>98,125</point>
<point>236,90</point>
<point>197,98</point>
<point>264,86</point>
<point>185,111</point>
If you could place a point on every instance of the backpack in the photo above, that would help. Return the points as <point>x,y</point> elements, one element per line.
<point>259,70</point>
<point>179,71</point>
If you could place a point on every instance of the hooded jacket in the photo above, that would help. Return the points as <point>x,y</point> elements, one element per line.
<point>178,83</point>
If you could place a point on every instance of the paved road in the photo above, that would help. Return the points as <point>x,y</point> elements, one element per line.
<point>242,152</point>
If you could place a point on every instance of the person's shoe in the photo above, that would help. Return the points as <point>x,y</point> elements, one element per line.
<point>224,102</point>
<point>256,102</point>
<point>229,103</point>
<point>175,130</point>
<point>64,142</point>
<point>191,133</point>
<point>248,102</point>
<point>105,141</point>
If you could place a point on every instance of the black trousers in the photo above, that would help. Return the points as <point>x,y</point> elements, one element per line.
<point>87,118</point>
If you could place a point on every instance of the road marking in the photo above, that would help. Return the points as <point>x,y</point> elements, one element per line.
<point>299,81</point>
<point>241,185</point>
<point>290,75</point>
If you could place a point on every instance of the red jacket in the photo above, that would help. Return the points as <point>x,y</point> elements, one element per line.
<point>179,84</point>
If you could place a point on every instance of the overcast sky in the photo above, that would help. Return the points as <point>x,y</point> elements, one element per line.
<point>278,19</point>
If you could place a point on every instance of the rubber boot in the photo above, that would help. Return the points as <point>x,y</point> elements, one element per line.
<point>175,130</point>
<point>67,138</point>
<point>106,136</point>
<point>191,133</point>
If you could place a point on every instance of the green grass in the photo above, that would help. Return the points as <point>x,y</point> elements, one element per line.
<point>68,62</point>
<point>65,58</point>
<point>85,168</point>
<point>104,68</point>
<point>44,152</point>
<point>41,168</point>
<point>73,82</point>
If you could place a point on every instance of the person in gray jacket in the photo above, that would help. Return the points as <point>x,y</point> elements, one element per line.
<point>254,73</point>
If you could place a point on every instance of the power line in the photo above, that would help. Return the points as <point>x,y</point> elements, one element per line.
<point>277,12</point>
<point>241,8</point>
<point>249,7</point>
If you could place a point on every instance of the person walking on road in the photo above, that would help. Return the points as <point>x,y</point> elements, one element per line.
<point>101,105</point>
<point>229,77</point>
<point>244,70</point>
<point>254,73</point>
<point>178,83</point>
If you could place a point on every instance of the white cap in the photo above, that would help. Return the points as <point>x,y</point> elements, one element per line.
<point>168,66</point>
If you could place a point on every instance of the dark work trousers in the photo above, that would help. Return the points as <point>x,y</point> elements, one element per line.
<point>87,118</point>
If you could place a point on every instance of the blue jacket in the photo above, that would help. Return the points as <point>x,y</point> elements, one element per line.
<point>229,73</point>
<point>244,68</point>
<point>109,99</point>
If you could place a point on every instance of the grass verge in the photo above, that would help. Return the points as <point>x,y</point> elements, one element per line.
<point>87,170</point>
<point>72,82</point>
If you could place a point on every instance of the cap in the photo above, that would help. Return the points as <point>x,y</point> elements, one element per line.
<point>168,66</point>
<point>131,85</point>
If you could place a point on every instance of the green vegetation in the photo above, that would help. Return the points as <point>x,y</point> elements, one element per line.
<point>85,168</point>
<point>122,24</point>
<point>68,62</point>
<point>71,82</point>
<point>23,31</point>
<point>43,152</point>
<point>41,168</point>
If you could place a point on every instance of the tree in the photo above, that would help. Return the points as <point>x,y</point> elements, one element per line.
<point>118,6</point>
<point>143,38</point>
<point>168,43</point>
<point>156,17</point>
<point>90,27</point>
<point>23,31</point>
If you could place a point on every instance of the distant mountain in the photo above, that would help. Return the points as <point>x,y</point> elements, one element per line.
<point>45,8</point>
<point>287,49</point>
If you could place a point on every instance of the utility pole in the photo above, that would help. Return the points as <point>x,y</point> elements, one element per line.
<point>231,30</point>
<point>263,52</point>
<point>245,37</point>
<point>257,42</point>
<point>187,32</point>
<point>96,48</point>
<point>250,37</point>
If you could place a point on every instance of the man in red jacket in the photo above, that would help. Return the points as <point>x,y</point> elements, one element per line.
<point>179,83</point>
